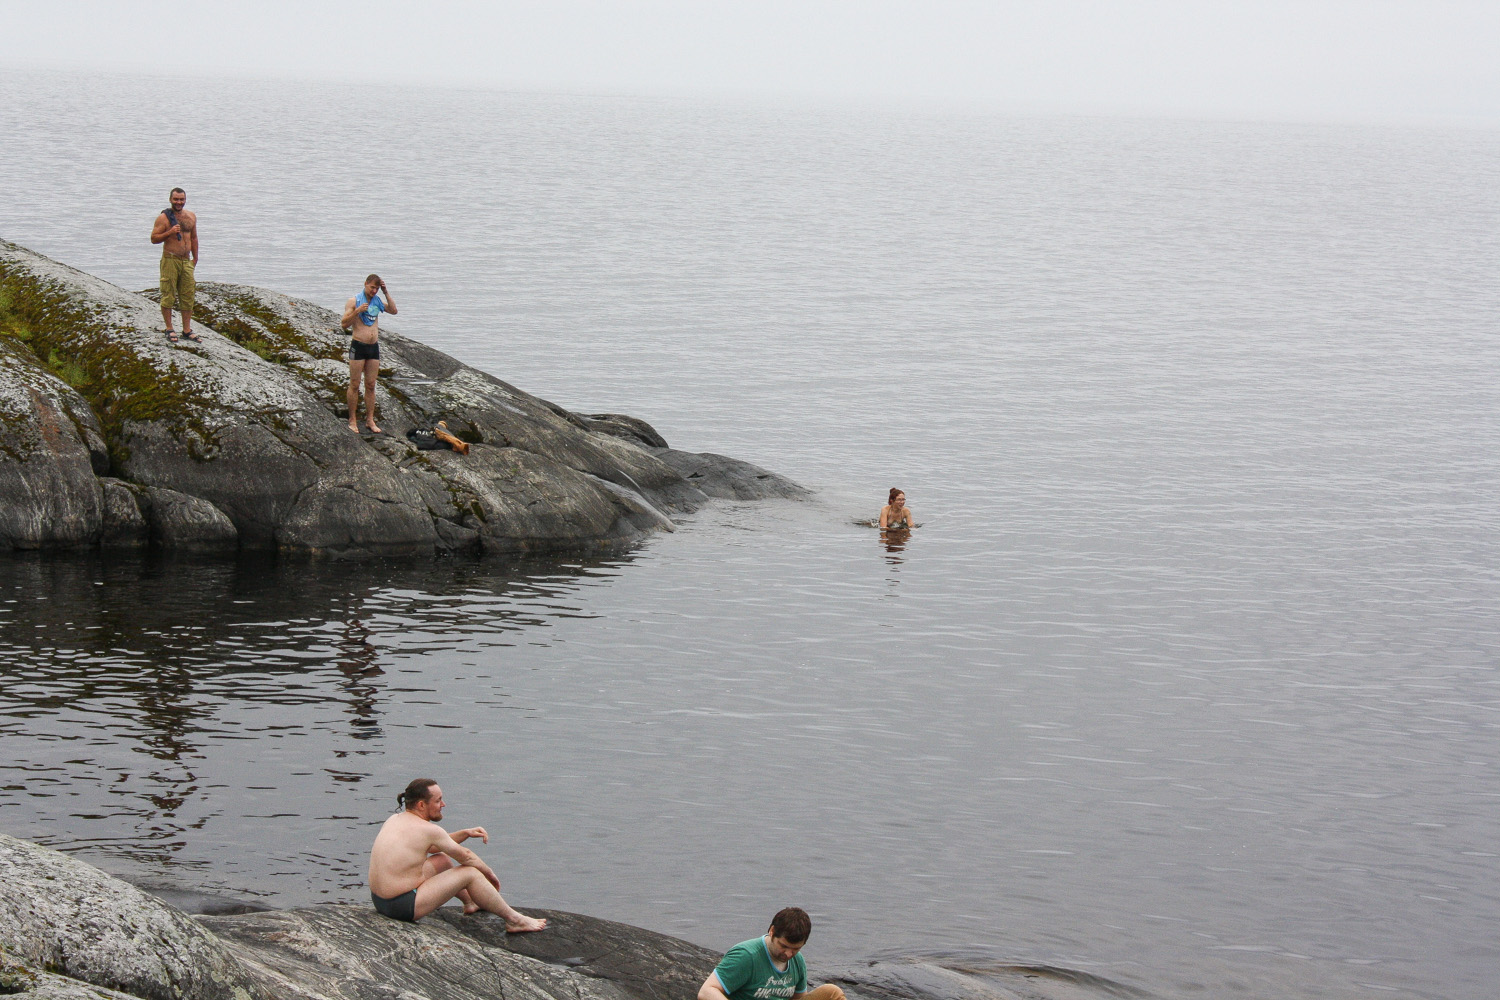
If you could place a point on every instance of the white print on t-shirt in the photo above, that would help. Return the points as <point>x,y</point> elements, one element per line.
<point>776,988</point>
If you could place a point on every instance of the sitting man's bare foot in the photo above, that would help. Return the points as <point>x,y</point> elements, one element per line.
<point>374,429</point>
<point>470,909</point>
<point>524,924</point>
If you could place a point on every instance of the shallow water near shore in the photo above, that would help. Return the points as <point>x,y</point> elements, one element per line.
<point>1188,680</point>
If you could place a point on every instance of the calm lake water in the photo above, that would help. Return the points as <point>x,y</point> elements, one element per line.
<point>1189,679</point>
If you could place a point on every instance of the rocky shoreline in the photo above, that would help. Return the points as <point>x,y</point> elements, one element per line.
<point>112,437</point>
<point>69,931</point>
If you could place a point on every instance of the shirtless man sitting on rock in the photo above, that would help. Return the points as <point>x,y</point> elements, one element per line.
<point>415,866</point>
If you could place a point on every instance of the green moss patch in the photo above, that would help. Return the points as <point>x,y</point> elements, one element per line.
<point>16,979</point>
<point>12,326</point>
<point>74,341</point>
<point>253,325</point>
<point>68,370</point>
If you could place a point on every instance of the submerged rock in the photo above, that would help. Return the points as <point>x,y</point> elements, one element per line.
<point>930,980</point>
<point>248,431</point>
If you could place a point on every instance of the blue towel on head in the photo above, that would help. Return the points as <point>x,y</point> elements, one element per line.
<point>369,308</point>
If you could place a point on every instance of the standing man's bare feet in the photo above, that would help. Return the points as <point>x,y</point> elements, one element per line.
<point>373,429</point>
<point>523,924</point>
<point>354,427</point>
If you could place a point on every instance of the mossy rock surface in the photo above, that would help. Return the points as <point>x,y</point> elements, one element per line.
<point>253,422</point>
<point>51,451</point>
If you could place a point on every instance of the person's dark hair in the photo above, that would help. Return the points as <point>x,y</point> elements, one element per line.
<point>892,498</point>
<point>372,277</point>
<point>175,191</point>
<point>792,925</point>
<point>417,791</point>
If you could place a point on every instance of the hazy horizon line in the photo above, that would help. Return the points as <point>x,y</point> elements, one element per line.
<point>978,106</point>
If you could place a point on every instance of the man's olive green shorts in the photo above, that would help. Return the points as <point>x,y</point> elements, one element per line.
<point>177,285</point>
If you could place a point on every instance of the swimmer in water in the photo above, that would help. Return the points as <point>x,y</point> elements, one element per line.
<point>895,513</point>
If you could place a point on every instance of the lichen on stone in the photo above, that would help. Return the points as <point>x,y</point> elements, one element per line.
<point>249,322</point>
<point>77,341</point>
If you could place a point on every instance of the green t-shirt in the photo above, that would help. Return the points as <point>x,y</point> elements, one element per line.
<point>746,973</point>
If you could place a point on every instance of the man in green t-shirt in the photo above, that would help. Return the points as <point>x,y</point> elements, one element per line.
<point>768,967</point>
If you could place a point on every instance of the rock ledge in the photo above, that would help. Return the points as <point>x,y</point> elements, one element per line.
<point>111,436</point>
<point>70,932</point>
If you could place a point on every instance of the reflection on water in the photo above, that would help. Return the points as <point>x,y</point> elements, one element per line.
<point>356,662</point>
<point>894,540</point>
<point>123,670</point>
<point>1190,682</point>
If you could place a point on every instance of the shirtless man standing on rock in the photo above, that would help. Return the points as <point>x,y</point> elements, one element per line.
<point>415,866</point>
<point>176,229</point>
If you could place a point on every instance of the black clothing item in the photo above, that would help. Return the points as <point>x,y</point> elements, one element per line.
<point>427,441</point>
<point>402,907</point>
<point>361,351</point>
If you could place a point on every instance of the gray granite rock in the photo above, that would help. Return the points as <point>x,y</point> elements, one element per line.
<point>70,932</point>
<point>729,478</point>
<point>252,422</point>
<point>17,979</point>
<point>50,445</point>
<point>184,523</point>
<point>643,964</point>
<point>60,915</point>
<point>632,429</point>
<point>123,523</point>
<point>352,953</point>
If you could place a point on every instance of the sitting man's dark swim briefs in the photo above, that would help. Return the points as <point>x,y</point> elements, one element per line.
<point>402,907</point>
<point>361,351</point>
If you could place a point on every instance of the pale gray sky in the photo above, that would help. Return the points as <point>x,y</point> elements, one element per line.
<point>1317,59</point>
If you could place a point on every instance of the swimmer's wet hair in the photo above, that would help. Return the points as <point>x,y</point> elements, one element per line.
<point>175,191</point>
<point>372,277</point>
<point>418,791</point>
<point>892,498</point>
<point>792,925</point>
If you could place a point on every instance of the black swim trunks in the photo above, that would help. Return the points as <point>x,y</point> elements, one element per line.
<point>361,351</point>
<point>402,907</point>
